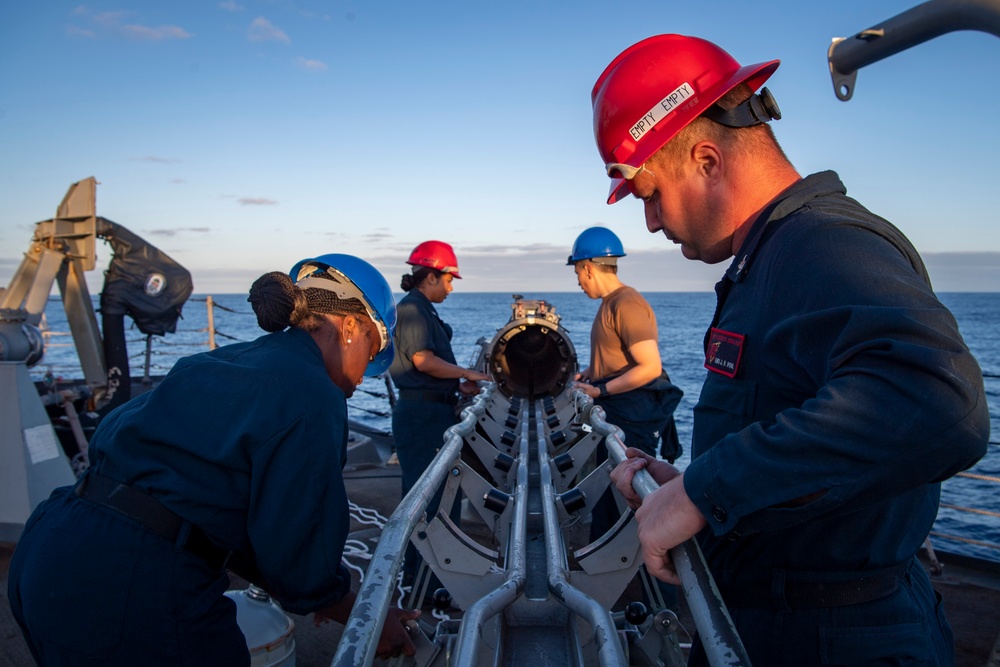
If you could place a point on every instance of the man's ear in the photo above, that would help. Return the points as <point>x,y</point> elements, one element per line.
<point>708,159</point>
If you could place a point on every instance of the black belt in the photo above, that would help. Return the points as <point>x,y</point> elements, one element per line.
<point>780,593</point>
<point>429,396</point>
<point>152,515</point>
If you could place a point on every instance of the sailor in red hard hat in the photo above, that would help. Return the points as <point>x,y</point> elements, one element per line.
<point>424,369</point>
<point>838,390</point>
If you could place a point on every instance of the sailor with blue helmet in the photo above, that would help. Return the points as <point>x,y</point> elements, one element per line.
<point>233,460</point>
<point>625,375</point>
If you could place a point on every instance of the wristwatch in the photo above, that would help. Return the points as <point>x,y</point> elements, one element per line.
<point>603,390</point>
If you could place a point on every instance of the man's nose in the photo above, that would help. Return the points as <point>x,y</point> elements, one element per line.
<point>652,218</point>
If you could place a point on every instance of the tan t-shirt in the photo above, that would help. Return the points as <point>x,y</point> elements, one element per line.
<point>623,319</point>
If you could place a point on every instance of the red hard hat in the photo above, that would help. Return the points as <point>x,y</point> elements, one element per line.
<point>654,88</point>
<point>436,255</point>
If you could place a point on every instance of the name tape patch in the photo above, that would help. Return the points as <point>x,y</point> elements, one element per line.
<point>661,110</point>
<point>724,352</point>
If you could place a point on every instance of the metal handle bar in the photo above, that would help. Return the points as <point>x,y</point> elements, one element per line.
<point>715,627</point>
<point>364,626</point>
<point>914,26</point>
<point>605,635</point>
<point>500,598</point>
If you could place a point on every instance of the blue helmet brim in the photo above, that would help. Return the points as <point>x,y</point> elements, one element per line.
<point>380,364</point>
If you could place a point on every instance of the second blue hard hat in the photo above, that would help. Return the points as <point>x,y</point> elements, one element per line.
<point>595,242</point>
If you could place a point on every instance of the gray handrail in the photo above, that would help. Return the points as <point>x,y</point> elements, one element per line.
<point>364,626</point>
<point>715,626</point>
<point>467,646</point>
<point>914,26</point>
<point>605,635</point>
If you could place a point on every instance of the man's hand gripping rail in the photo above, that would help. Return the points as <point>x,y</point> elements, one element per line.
<point>715,627</point>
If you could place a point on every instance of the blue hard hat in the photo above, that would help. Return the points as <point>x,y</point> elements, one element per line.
<point>595,242</point>
<point>365,283</point>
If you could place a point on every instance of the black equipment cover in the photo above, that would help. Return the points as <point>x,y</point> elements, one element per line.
<point>142,282</point>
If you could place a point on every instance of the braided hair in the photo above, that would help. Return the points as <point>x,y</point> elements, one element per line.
<point>279,303</point>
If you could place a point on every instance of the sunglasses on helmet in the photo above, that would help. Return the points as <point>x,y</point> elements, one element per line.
<point>625,171</point>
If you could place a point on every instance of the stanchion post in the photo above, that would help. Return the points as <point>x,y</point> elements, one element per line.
<point>211,322</point>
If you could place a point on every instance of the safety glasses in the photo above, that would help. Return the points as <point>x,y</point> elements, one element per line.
<point>625,171</point>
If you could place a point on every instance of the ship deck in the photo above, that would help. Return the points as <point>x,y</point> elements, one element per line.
<point>971,593</point>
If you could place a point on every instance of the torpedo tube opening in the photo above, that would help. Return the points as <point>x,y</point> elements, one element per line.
<point>531,356</point>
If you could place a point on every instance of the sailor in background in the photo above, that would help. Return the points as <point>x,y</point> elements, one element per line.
<point>839,391</point>
<point>424,369</point>
<point>625,376</point>
<point>235,460</point>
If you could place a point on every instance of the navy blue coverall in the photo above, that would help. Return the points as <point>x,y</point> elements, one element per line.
<point>426,405</point>
<point>839,395</point>
<point>247,443</point>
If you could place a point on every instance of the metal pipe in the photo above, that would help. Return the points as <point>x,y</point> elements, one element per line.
<point>914,26</point>
<point>605,635</point>
<point>715,626</point>
<point>499,599</point>
<point>364,626</point>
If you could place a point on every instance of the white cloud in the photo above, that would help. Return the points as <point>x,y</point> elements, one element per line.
<point>77,31</point>
<point>231,6</point>
<point>311,65</point>
<point>177,230</point>
<point>154,34</point>
<point>155,159</point>
<point>541,267</point>
<point>963,271</point>
<point>256,201</point>
<point>262,30</point>
<point>108,19</point>
<point>112,22</point>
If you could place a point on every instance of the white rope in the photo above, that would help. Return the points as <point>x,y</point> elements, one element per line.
<point>358,549</point>
<point>401,590</point>
<point>351,566</point>
<point>354,548</point>
<point>366,515</point>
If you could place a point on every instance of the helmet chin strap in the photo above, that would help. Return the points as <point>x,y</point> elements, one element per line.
<point>760,108</point>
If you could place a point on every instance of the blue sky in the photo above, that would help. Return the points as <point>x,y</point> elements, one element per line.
<point>241,136</point>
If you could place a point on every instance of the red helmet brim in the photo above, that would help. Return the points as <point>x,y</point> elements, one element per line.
<point>619,190</point>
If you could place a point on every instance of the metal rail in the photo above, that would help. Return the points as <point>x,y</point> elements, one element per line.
<point>914,26</point>
<point>500,598</point>
<point>364,626</point>
<point>606,637</point>
<point>715,627</point>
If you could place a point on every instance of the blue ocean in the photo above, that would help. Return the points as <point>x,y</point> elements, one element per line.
<point>682,318</point>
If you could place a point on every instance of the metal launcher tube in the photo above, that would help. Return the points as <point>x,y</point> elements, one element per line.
<point>523,457</point>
